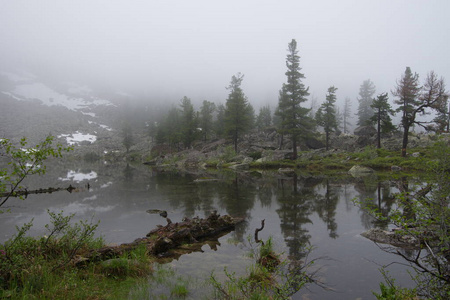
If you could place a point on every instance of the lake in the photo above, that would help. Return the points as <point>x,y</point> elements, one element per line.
<point>299,211</point>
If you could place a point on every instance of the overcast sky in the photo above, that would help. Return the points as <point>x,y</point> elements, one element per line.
<point>176,48</point>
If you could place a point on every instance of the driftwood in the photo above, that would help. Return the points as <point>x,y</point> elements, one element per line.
<point>26,192</point>
<point>171,236</point>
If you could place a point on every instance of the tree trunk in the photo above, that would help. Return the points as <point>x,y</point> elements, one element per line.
<point>405,139</point>
<point>379,130</point>
<point>171,236</point>
<point>294,147</point>
<point>327,139</point>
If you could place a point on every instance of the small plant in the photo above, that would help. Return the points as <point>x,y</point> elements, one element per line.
<point>268,278</point>
<point>390,291</point>
<point>228,153</point>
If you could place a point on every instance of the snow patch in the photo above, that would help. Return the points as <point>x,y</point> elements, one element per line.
<point>78,137</point>
<point>78,176</point>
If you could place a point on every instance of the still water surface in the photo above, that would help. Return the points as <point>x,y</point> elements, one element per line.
<point>306,210</point>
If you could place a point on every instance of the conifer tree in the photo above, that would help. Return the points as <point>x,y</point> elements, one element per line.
<point>346,115</point>
<point>264,118</point>
<point>365,112</point>
<point>382,116</point>
<point>326,115</point>
<point>188,121</point>
<point>206,118</point>
<point>414,99</point>
<point>294,118</point>
<point>238,112</point>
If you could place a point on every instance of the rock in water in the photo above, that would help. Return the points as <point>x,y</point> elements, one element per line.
<point>358,170</point>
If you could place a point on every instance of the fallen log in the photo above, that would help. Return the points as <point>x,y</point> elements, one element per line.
<point>173,235</point>
<point>26,192</point>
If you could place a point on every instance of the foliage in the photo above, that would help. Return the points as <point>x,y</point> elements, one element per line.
<point>294,118</point>
<point>423,214</point>
<point>381,117</point>
<point>188,122</point>
<point>390,291</point>
<point>238,112</point>
<point>326,115</point>
<point>346,115</point>
<point>22,161</point>
<point>366,92</point>
<point>44,267</point>
<point>268,278</point>
<point>264,118</point>
<point>206,118</point>
<point>414,100</point>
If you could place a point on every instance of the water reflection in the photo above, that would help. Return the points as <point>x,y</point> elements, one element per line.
<point>301,210</point>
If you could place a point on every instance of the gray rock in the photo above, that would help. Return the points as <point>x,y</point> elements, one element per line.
<point>391,237</point>
<point>239,167</point>
<point>365,131</point>
<point>396,168</point>
<point>416,154</point>
<point>286,171</point>
<point>358,170</point>
<point>313,143</point>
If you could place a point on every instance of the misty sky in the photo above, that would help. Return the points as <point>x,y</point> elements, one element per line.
<point>168,49</point>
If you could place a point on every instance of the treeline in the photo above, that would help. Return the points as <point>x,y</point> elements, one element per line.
<point>182,125</point>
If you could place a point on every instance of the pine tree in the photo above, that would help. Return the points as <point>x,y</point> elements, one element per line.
<point>382,112</point>
<point>365,112</point>
<point>326,115</point>
<point>238,113</point>
<point>219,124</point>
<point>294,118</point>
<point>414,99</point>
<point>264,118</point>
<point>188,122</point>
<point>206,118</point>
<point>346,116</point>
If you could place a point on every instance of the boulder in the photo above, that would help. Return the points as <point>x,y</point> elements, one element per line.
<point>240,167</point>
<point>358,170</point>
<point>365,131</point>
<point>391,237</point>
<point>313,143</point>
<point>286,171</point>
<point>396,168</point>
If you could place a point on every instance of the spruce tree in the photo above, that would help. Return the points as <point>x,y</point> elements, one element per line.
<point>326,115</point>
<point>264,118</point>
<point>365,112</point>
<point>238,113</point>
<point>188,121</point>
<point>346,116</point>
<point>206,118</point>
<point>382,116</point>
<point>294,118</point>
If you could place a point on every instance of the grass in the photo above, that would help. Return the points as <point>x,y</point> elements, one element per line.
<point>45,268</point>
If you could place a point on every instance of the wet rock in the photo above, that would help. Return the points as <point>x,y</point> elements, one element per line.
<point>240,167</point>
<point>358,170</point>
<point>391,237</point>
<point>286,171</point>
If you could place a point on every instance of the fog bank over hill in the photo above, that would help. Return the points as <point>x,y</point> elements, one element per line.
<point>161,51</point>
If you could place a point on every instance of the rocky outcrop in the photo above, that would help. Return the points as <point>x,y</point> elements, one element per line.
<point>392,238</point>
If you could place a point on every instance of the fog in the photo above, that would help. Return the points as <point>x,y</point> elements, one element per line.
<point>169,49</point>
